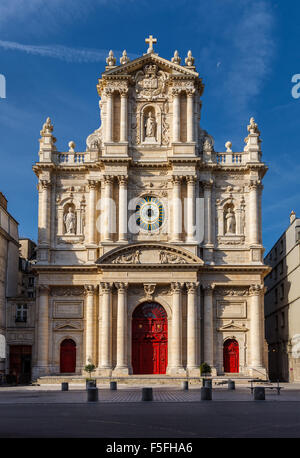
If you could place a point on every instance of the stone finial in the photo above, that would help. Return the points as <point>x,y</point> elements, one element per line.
<point>189,60</point>
<point>124,59</point>
<point>71,146</point>
<point>228,146</point>
<point>253,127</point>
<point>292,216</point>
<point>111,60</point>
<point>176,59</point>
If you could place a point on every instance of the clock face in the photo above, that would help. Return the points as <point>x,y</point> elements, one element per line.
<point>149,213</point>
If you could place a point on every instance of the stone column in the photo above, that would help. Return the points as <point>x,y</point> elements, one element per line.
<point>176,338</point>
<point>192,338</point>
<point>44,229</point>
<point>176,116</point>
<point>89,324</point>
<point>42,331</point>
<point>207,213</point>
<point>92,212</point>
<point>177,210</point>
<point>254,210</point>
<point>122,208</point>
<point>123,117</point>
<point>208,320</point>
<point>190,214</point>
<point>256,327</point>
<point>108,210</point>
<point>190,117</point>
<point>105,330</point>
<point>109,115</point>
<point>122,351</point>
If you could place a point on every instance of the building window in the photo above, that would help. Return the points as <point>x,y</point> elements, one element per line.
<point>276,295</point>
<point>282,291</point>
<point>276,322</point>
<point>281,246</point>
<point>282,319</point>
<point>21,314</point>
<point>31,281</point>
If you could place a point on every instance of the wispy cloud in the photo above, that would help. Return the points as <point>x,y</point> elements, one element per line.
<point>61,52</point>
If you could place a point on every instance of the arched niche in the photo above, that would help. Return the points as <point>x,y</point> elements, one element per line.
<point>150,124</point>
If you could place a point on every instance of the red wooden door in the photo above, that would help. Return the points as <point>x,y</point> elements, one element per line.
<point>231,356</point>
<point>149,339</point>
<point>67,356</point>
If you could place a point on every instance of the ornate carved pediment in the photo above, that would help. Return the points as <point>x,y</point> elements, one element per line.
<point>151,253</point>
<point>234,327</point>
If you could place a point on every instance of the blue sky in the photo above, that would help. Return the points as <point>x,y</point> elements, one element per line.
<point>52,53</point>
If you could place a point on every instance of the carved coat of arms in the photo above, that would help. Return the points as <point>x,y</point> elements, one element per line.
<point>150,82</point>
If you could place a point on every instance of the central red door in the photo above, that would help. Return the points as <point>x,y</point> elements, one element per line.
<point>231,356</point>
<point>67,356</point>
<point>149,339</point>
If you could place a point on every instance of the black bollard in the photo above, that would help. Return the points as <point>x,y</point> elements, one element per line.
<point>259,393</point>
<point>185,385</point>
<point>65,386</point>
<point>113,385</point>
<point>92,394</point>
<point>147,394</point>
<point>206,393</point>
<point>231,385</point>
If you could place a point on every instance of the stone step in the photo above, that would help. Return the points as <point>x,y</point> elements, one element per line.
<point>139,380</point>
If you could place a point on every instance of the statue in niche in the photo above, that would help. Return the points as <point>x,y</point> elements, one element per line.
<point>150,125</point>
<point>230,221</point>
<point>70,221</point>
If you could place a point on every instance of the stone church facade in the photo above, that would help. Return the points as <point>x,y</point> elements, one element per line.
<point>150,256</point>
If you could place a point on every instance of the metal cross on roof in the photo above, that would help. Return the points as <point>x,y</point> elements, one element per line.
<point>150,40</point>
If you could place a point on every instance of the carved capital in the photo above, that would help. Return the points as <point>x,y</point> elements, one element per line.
<point>121,287</point>
<point>92,184</point>
<point>192,287</point>
<point>256,290</point>
<point>208,289</point>
<point>177,287</point>
<point>45,184</point>
<point>190,179</point>
<point>207,185</point>
<point>106,287</point>
<point>43,289</point>
<point>176,179</point>
<point>108,179</point>
<point>123,180</point>
<point>255,185</point>
<point>89,290</point>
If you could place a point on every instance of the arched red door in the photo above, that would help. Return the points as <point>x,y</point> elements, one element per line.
<point>149,339</point>
<point>231,356</point>
<point>67,356</point>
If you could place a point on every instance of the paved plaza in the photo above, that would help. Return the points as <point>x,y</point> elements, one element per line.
<point>46,411</point>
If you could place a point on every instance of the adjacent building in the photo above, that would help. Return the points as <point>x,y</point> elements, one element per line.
<point>150,255</point>
<point>282,305</point>
<point>9,262</point>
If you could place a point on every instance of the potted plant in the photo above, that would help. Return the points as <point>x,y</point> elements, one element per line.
<point>90,368</point>
<point>205,369</point>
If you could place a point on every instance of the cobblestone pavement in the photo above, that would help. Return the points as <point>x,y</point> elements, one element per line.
<point>77,394</point>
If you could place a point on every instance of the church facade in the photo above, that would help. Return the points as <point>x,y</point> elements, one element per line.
<point>150,256</point>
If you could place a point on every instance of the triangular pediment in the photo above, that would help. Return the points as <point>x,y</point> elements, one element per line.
<point>164,64</point>
<point>232,326</point>
<point>152,253</point>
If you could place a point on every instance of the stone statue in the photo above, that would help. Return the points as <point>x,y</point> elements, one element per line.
<point>150,126</point>
<point>70,221</point>
<point>230,221</point>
